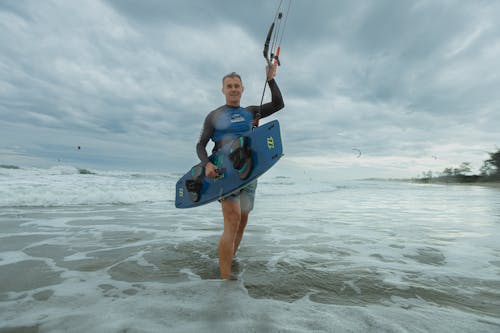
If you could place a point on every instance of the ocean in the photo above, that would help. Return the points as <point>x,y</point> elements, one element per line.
<point>107,251</point>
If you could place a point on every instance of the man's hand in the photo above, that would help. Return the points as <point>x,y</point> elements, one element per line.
<point>211,170</point>
<point>271,71</point>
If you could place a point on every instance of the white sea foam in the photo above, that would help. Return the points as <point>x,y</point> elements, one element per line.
<point>62,186</point>
<point>10,257</point>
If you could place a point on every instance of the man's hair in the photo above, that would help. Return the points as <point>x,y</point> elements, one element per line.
<point>232,75</point>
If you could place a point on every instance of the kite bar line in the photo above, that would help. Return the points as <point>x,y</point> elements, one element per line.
<point>275,33</point>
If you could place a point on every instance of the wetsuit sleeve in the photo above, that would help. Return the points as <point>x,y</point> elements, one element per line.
<point>206,134</point>
<point>275,105</point>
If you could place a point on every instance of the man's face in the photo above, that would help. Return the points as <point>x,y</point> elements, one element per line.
<point>232,89</point>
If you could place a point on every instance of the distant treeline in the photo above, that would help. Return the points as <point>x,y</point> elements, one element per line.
<point>489,172</point>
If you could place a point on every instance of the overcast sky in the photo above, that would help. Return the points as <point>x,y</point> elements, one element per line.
<point>412,85</point>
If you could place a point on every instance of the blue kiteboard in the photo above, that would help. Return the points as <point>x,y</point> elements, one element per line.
<point>239,162</point>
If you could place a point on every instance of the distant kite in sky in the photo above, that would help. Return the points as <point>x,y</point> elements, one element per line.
<point>357,151</point>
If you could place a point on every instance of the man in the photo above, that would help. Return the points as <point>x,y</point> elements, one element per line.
<point>223,125</point>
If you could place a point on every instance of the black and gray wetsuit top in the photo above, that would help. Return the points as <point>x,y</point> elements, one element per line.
<point>227,122</point>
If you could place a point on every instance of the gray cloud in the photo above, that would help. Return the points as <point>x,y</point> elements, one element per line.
<point>399,80</point>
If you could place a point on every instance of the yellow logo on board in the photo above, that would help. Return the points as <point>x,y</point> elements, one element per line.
<point>270,142</point>
<point>181,192</point>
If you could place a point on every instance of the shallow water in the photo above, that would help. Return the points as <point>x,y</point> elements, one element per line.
<point>110,253</point>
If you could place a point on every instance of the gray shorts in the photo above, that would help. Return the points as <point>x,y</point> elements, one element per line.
<point>246,196</point>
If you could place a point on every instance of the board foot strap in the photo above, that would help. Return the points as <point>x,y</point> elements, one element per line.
<point>240,155</point>
<point>194,184</point>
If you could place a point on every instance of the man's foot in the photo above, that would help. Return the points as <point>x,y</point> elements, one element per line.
<point>231,277</point>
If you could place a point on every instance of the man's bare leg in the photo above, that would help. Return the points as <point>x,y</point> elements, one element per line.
<point>241,229</point>
<point>232,216</point>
